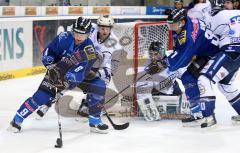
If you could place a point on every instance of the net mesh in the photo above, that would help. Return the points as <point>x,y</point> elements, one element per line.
<point>135,39</point>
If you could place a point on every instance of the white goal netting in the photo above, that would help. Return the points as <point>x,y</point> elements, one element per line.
<point>135,39</point>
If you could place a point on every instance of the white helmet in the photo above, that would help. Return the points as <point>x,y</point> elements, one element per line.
<point>105,21</point>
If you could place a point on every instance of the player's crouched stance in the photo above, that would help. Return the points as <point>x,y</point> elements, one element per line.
<point>158,78</point>
<point>68,59</point>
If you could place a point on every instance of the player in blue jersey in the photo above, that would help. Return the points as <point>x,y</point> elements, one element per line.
<point>196,40</point>
<point>68,59</point>
<point>194,45</point>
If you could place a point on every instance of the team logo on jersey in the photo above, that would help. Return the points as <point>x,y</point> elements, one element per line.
<point>234,32</point>
<point>90,52</point>
<point>235,40</point>
<point>235,20</point>
<point>182,37</point>
<point>195,29</point>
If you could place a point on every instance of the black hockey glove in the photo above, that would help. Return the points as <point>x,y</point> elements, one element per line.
<point>155,67</point>
<point>53,73</point>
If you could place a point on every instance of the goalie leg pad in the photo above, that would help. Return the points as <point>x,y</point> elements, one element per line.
<point>148,108</point>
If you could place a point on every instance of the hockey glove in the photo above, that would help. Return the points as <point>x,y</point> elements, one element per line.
<point>47,60</point>
<point>91,75</point>
<point>53,73</point>
<point>155,67</point>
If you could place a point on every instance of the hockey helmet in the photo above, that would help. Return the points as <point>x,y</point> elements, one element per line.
<point>82,25</point>
<point>158,47</point>
<point>105,20</point>
<point>177,15</point>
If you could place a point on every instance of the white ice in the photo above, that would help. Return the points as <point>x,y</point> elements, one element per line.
<point>167,136</point>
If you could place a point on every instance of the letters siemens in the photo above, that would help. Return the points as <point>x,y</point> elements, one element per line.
<point>11,43</point>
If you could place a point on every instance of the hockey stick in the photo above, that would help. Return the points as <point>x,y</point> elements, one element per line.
<point>125,125</point>
<point>116,126</point>
<point>125,89</point>
<point>59,141</point>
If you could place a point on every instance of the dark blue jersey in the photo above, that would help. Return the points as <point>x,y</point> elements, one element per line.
<point>194,40</point>
<point>64,46</point>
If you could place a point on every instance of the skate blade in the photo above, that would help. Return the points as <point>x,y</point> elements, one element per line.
<point>95,130</point>
<point>209,128</point>
<point>191,124</point>
<point>13,129</point>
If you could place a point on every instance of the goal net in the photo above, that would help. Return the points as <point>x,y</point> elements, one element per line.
<point>135,39</point>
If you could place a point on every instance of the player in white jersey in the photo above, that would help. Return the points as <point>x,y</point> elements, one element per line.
<point>201,10</point>
<point>224,66</point>
<point>105,42</point>
<point>164,82</point>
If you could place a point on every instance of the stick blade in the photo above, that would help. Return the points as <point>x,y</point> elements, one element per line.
<point>121,127</point>
<point>59,143</point>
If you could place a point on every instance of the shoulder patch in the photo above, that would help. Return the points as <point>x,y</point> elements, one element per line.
<point>182,37</point>
<point>90,52</point>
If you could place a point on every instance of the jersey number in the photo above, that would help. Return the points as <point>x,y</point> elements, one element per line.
<point>209,35</point>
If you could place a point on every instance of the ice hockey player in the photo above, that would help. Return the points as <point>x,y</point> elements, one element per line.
<point>223,68</point>
<point>163,82</point>
<point>68,59</point>
<point>106,43</point>
<point>194,39</point>
<point>221,84</point>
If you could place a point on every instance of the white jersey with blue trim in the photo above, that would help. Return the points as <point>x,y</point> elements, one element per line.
<point>105,49</point>
<point>226,24</point>
<point>162,81</point>
<point>201,11</point>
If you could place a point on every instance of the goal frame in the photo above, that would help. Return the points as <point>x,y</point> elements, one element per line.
<point>136,51</point>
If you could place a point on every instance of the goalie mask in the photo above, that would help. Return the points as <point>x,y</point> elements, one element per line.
<point>156,51</point>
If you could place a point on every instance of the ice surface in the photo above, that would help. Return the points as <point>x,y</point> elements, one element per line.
<point>167,136</point>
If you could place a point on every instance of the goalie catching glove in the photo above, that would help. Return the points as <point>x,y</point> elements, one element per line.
<point>156,53</point>
<point>155,67</point>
